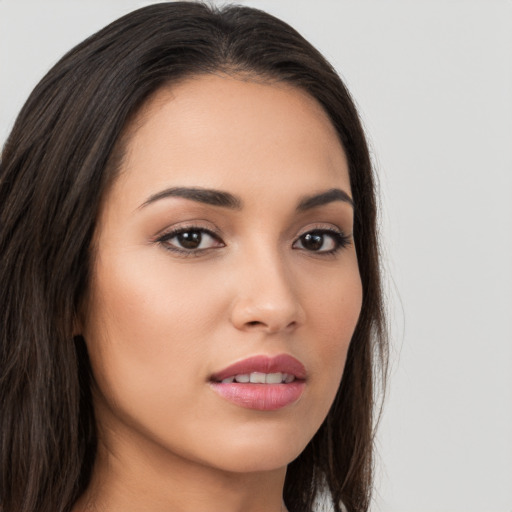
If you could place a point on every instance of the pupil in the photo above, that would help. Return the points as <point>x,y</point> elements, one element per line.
<point>313,241</point>
<point>190,239</point>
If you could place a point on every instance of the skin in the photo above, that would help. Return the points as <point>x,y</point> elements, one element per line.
<point>159,323</point>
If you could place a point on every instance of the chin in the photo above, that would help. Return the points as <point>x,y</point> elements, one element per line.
<point>263,451</point>
<point>255,461</point>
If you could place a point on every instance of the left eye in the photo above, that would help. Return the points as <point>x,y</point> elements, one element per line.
<point>323,241</point>
<point>190,240</point>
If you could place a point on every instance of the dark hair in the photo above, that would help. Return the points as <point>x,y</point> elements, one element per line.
<point>56,165</point>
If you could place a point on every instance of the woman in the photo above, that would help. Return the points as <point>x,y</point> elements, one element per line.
<point>192,315</point>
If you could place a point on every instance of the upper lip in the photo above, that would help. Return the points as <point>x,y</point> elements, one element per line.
<point>283,363</point>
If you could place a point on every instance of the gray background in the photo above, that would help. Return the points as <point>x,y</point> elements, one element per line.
<point>433,80</point>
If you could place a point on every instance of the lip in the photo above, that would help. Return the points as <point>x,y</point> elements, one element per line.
<point>261,397</point>
<point>283,363</point>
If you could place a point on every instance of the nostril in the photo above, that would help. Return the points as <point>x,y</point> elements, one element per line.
<point>269,327</point>
<point>254,323</point>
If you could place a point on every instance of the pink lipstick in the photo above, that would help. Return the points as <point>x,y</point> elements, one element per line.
<point>262,383</point>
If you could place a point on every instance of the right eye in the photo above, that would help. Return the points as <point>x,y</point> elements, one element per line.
<point>190,240</point>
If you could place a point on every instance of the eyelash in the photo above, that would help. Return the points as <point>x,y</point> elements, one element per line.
<point>164,239</point>
<point>340,239</point>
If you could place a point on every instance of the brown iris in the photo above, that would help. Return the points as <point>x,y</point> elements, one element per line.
<point>190,239</point>
<point>312,241</point>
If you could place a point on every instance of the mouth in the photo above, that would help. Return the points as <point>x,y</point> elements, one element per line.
<point>260,378</point>
<point>261,383</point>
<point>263,370</point>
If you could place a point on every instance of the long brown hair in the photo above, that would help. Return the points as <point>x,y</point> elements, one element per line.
<point>59,159</point>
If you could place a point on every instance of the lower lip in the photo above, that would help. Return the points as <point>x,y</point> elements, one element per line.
<point>260,397</point>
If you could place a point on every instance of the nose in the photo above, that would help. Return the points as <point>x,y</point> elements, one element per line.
<point>266,297</point>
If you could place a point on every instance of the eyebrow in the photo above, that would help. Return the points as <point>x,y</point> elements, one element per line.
<point>201,195</point>
<point>227,200</point>
<point>331,195</point>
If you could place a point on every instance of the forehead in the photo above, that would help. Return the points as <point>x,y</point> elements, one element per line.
<point>232,133</point>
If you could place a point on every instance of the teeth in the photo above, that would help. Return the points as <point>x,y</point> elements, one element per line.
<point>261,378</point>
<point>258,378</point>
<point>274,378</point>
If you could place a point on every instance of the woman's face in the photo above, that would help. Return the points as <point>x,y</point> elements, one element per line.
<point>226,238</point>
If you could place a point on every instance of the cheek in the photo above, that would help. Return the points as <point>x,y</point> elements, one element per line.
<point>146,339</point>
<point>334,308</point>
<point>333,313</point>
<point>144,308</point>
<point>144,333</point>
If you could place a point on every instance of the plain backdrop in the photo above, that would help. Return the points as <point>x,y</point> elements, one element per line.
<point>433,81</point>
